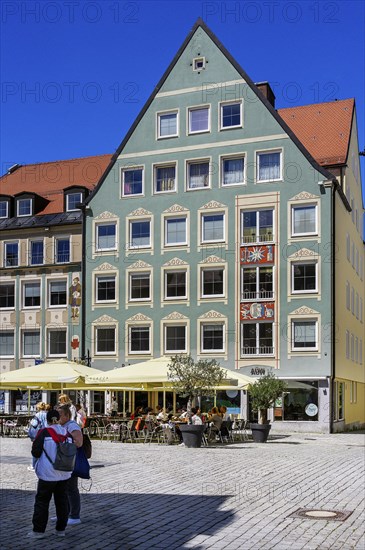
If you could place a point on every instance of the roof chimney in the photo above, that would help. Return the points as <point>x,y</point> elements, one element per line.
<point>267,92</point>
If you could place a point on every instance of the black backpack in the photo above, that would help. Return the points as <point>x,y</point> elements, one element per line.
<point>65,454</point>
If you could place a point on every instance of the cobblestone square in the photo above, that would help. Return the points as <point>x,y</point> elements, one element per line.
<point>237,496</point>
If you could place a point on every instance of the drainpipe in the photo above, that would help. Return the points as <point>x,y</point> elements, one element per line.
<point>83,208</point>
<point>333,292</point>
<point>334,188</point>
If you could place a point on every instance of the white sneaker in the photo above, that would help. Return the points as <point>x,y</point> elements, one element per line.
<point>182,445</point>
<point>35,535</point>
<point>54,518</point>
<point>30,469</point>
<point>60,533</point>
<point>72,521</point>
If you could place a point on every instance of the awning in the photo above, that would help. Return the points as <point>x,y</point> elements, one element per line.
<point>49,375</point>
<point>154,373</point>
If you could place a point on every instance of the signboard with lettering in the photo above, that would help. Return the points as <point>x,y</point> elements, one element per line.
<point>258,371</point>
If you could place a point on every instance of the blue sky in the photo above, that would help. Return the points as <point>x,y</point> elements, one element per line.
<point>75,73</point>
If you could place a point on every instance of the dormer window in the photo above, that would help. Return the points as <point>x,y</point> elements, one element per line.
<point>24,207</point>
<point>72,200</point>
<point>4,209</point>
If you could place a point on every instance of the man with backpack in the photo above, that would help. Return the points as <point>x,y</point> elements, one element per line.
<point>72,485</point>
<point>51,481</point>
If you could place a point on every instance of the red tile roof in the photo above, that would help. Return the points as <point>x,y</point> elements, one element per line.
<point>323,128</point>
<point>49,179</point>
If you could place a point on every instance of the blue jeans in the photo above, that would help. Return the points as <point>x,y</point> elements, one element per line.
<point>73,497</point>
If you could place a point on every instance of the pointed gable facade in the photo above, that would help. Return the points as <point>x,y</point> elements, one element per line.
<point>216,237</point>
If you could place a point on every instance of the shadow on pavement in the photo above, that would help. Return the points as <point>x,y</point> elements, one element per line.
<point>118,521</point>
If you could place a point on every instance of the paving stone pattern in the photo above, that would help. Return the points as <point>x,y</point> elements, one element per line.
<point>238,496</point>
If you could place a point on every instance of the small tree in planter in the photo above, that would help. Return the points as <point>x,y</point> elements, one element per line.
<point>264,393</point>
<point>193,379</point>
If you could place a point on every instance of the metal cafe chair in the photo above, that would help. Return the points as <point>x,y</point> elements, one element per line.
<point>111,432</point>
<point>239,429</point>
<point>225,433</point>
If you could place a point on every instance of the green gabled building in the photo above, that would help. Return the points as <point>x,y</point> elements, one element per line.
<point>211,233</point>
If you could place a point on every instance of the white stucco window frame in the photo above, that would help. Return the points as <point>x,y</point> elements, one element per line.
<point>260,152</point>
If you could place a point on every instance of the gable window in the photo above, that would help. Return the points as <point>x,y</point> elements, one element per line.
<point>24,207</point>
<point>165,179</point>
<point>139,340</point>
<point>304,220</point>
<point>257,283</point>
<point>140,286</point>
<point>198,175</point>
<point>7,343</point>
<point>72,200</point>
<point>257,226</point>
<point>175,285</point>
<point>32,294</point>
<point>212,337</point>
<point>212,282</point>
<point>36,252</point>
<point>231,115</point>
<point>106,236</point>
<point>57,293</point>
<point>175,339</point>
<point>268,166</point>
<point>232,171</point>
<point>167,124</point>
<point>4,209</point>
<point>212,228</point>
<point>132,182</point>
<point>175,231</point>
<point>62,250</point>
<point>140,234</point>
<point>105,288</point>
<point>304,335</point>
<point>304,277</point>
<point>57,343</point>
<point>7,295</point>
<point>198,63</point>
<point>198,120</point>
<point>257,339</point>
<point>11,254</point>
<point>31,343</point>
<point>105,341</point>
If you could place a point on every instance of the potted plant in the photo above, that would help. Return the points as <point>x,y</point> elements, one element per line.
<point>264,393</point>
<point>193,379</point>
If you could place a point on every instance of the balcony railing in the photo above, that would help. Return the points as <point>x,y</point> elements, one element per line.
<point>257,295</point>
<point>261,350</point>
<point>254,238</point>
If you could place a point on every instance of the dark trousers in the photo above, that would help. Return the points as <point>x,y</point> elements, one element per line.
<point>45,490</point>
<point>73,497</point>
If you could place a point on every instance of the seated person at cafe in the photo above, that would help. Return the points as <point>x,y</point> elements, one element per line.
<point>148,414</point>
<point>138,412</point>
<point>162,415</point>
<point>215,422</point>
<point>171,428</point>
<point>223,412</point>
<point>195,419</point>
<point>184,414</point>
